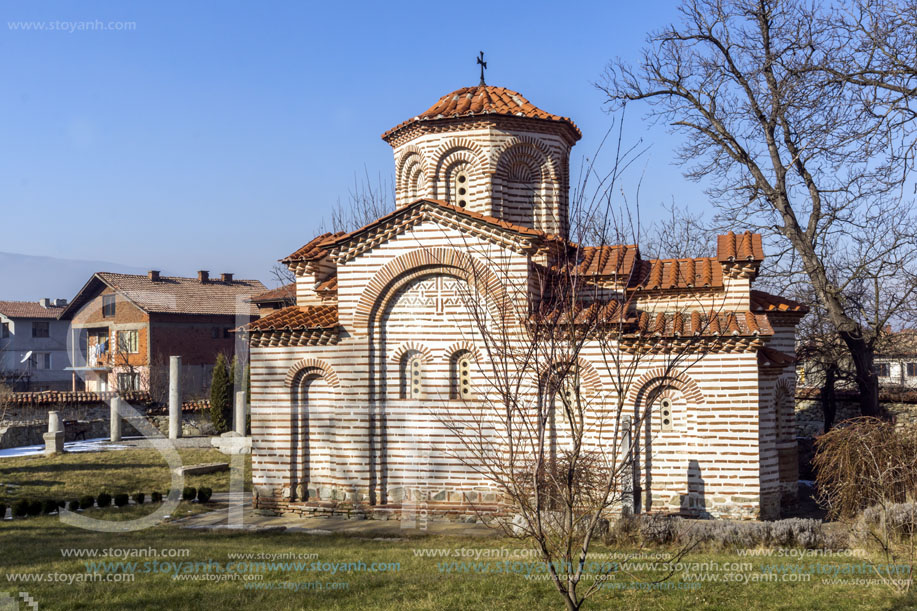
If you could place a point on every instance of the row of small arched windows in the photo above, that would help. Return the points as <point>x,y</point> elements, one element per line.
<point>412,375</point>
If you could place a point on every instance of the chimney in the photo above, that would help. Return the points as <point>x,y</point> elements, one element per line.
<point>60,302</point>
<point>203,276</point>
<point>224,277</point>
<point>45,302</point>
<point>153,274</point>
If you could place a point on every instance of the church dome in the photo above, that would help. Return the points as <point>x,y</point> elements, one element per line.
<point>483,100</point>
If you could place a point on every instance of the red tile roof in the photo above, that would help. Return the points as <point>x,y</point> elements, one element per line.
<point>765,302</point>
<point>680,273</point>
<point>481,101</point>
<point>768,357</point>
<point>726,324</point>
<point>174,294</point>
<point>743,247</point>
<point>329,285</point>
<point>618,260</point>
<point>319,246</point>
<point>29,309</point>
<point>315,249</point>
<point>287,292</point>
<point>298,318</point>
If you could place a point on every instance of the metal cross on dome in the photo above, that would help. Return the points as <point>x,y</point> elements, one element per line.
<point>483,64</point>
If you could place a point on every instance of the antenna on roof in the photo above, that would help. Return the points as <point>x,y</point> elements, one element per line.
<point>483,65</point>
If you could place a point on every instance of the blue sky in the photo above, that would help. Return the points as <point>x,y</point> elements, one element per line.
<point>215,137</point>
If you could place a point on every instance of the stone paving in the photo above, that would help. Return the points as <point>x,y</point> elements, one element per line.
<point>251,521</point>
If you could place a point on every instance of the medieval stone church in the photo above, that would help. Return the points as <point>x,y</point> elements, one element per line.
<point>347,384</point>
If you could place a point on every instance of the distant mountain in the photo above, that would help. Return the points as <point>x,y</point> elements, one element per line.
<point>29,278</point>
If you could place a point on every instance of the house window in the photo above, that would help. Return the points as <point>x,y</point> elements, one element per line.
<point>460,190</point>
<point>41,329</point>
<point>41,360</point>
<point>4,330</point>
<point>108,306</point>
<point>911,370</point>
<point>883,370</point>
<point>411,376</point>
<point>128,381</point>
<point>128,342</point>
<point>461,375</point>
<point>227,333</point>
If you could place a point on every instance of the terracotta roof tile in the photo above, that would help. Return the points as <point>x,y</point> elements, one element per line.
<point>609,260</point>
<point>480,101</point>
<point>298,318</point>
<point>177,295</point>
<point>316,248</point>
<point>29,309</point>
<point>768,357</point>
<point>287,292</point>
<point>766,302</point>
<point>679,273</point>
<point>329,285</point>
<point>319,246</point>
<point>743,247</point>
<point>726,324</point>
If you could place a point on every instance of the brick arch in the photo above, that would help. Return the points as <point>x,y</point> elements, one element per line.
<point>406,154</point>
<point>459,346</point>
<point>519,147</point>
<point>399,352</point>
<point>591,380</point>
<point>410,168</point>
<point>654,377</point>
<point>460,144</point>
<point>316,366</point>
<point>420,263</point>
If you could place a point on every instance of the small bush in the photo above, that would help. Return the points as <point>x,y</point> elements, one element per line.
<point>189,493</point>
<point>35,508</point>
<point>49,506</point>
<point>156,497</point>
<point>864,463</point>
<point>87,502</point>
<point>121,499</point>
<point>204,494</point>
<point>73,505</point>
<point>2,511</point>
<point>798,532</point>
<point>21,508</point>
<point>103,500</point>
<point>139,497</point>
<point>658,529</point>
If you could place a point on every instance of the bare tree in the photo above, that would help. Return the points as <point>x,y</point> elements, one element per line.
<point>563,452</point>
<point>784,147</point>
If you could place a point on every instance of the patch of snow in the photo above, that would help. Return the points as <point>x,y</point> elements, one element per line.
<point>90,445</point>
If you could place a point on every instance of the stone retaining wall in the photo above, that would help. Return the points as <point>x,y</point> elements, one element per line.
<point>901,405</point>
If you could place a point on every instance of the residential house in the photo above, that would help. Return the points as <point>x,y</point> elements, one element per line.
<point>33,345</point>
<point>275,299</point>
<point>124,327</point>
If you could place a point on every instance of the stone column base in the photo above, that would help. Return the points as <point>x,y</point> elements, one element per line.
<point>54,443</point>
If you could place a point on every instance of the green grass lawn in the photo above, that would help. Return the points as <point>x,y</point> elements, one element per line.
<point>33,560</point>
<point>414,582</point>
<point>68,476</point>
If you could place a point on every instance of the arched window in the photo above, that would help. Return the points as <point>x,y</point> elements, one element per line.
<point>460,185</point>
<point>411,375</point>
<point>460,383</point>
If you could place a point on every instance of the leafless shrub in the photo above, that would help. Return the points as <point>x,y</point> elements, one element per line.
<point>865,463</point>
